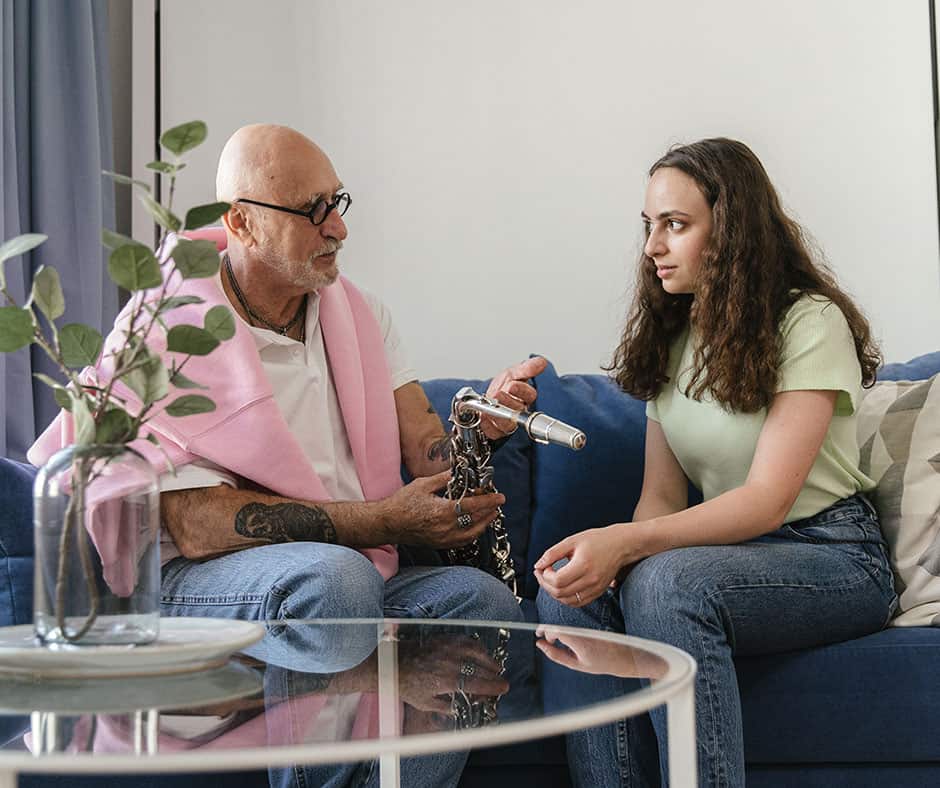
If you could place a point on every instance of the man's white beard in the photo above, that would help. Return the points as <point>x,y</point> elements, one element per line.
<point>299,273</point>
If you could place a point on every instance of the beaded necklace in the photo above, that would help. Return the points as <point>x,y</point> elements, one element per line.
<point>255,318</point>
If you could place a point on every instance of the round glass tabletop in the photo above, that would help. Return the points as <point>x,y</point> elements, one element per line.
<point>318,692</point>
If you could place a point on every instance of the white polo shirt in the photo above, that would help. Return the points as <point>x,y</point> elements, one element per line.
<point>304,391</point>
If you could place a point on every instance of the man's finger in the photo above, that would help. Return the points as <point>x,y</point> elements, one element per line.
<point>528,368</point>
<point>434,483</point>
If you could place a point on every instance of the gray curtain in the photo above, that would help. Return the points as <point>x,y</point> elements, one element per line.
<point>55,138</point>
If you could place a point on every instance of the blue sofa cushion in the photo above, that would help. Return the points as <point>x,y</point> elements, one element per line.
<point>873,699</point>
<point>511,467</point>
<point>593,487</point>
<point>16,542</point>
<point>919,368</point>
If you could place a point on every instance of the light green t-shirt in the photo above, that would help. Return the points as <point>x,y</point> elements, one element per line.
<point>715,446</point>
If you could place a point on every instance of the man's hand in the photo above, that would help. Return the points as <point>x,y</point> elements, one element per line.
<point>431,670</point>
<point>416,516</point>
<point>509,388</point>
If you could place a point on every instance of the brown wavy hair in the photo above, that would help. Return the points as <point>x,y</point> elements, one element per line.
<point>755,265</point>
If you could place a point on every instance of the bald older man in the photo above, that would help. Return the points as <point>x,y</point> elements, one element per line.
<point>301,521</point>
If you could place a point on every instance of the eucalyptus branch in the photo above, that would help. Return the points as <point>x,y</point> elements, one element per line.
<point>100,415</point>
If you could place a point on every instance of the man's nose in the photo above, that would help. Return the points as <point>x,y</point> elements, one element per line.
<point>334,226</point>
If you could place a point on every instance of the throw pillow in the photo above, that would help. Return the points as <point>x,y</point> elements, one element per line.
<point>899,435</point>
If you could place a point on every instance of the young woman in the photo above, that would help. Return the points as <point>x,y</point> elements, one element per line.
<point>751,360</point>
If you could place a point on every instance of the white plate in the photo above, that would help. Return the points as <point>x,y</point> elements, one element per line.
<point>22,694</point>
<point>184,644</point>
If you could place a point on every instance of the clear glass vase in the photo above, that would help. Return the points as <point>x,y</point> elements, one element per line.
<point>97,562</point>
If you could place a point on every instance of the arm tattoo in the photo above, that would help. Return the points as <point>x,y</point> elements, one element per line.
<point>440,450</point>
<point>431,410</point>
<point>285,522</point>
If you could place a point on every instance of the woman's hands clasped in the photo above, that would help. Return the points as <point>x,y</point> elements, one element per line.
<point>595,557</point>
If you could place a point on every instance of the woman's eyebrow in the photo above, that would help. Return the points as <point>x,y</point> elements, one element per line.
<point>665,214</point>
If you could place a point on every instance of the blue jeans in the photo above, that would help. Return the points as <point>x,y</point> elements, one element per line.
<point>812,582</point>
<point>305,580</point>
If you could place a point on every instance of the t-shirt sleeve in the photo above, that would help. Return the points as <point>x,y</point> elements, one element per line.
<point>401,371</point>
<point>818,352</point>
<point>652,410</point>
<point>199,473</point>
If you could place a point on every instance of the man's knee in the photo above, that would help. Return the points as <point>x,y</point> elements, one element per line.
<point>325,581</point>
<point>478,595</point>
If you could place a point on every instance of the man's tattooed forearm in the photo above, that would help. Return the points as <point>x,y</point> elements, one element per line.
<point>440,450</point>
<point>285,522</point>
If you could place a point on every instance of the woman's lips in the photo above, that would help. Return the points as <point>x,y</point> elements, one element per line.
<point>664,271</point>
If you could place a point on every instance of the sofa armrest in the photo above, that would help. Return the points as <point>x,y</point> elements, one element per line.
<point>16,542</point>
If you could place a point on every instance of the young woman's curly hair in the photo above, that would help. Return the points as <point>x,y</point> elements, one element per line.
<point>756,264</point>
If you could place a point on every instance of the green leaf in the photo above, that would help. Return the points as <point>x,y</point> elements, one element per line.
<point>166,167</point>
<point>189,405</point>
<point>160,214</point>
<point>220,323</point>
<point>80,345</point>
<point>20,244</point>
<point>179,380</point>
<point>81,417</point>
<point>59,391</point>
<point>62,398</point>
<point>127,180</point>
<point>191,339</point>
<point>112,240</point>
<point>134,267</point>
<point>174,302</point>
<point>182,138</point>
<point>196,259</point>
<point>114,426</point>
<point>16,328</point>
<point>202,215</point>
<point>153,439</point>
<point>47,293</point>
<point>150,379</point>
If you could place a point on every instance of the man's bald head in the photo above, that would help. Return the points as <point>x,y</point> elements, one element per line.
<point>265,162</point>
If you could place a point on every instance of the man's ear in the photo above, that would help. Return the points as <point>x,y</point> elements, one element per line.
<point>236,222</point>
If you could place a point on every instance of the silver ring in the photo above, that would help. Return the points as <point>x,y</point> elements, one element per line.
<point>458,509</point>
<point>467,668</point>
<point>577,595</point>
<point>464,521</point>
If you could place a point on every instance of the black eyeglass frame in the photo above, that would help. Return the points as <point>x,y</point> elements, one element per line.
<point>342,197</point>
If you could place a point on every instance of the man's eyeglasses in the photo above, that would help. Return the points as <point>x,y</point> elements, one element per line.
<point>317,213</point>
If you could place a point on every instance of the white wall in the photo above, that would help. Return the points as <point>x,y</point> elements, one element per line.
<point>496,150</point>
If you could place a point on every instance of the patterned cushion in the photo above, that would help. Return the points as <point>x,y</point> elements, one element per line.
<point>899,435</point>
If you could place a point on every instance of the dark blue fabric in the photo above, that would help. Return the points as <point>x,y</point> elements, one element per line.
<point>919,368</point>
<point>873,699</point>
<point>55,138</point>
<point>845,775</point>
<point>511,468</point>
<point>593,487</point>
<point>16,542</point>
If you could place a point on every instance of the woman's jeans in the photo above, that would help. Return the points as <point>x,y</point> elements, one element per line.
<point>306,580</point>
<point>812,582</point>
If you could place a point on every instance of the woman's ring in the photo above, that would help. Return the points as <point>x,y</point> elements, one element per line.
<point>458,509</point>
<point>464,521</point>
<point>577,595</point>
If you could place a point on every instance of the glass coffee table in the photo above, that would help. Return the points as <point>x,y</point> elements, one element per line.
<point>315,694</point>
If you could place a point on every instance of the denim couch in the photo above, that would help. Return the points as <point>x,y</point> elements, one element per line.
<point>861,713</point>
